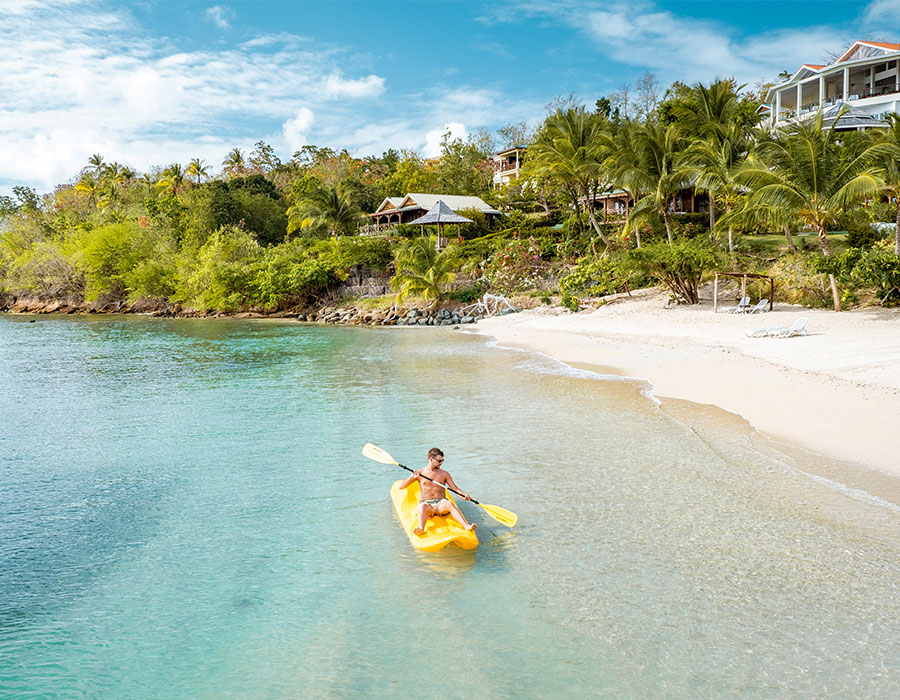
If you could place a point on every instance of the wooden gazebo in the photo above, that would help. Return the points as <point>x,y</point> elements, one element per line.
<point>743,277</point>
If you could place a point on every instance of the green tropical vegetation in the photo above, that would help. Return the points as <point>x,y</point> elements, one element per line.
<point>264,234</point>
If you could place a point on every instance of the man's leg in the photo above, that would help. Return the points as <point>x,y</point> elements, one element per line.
<point>425,512</point>
<point>447,506</point>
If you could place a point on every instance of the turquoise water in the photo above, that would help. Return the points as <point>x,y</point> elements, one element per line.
<point>185,513</point>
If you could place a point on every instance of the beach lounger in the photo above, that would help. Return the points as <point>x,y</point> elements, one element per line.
<point>744,303</point>
<point>797,328</point>
<point>759,308</point>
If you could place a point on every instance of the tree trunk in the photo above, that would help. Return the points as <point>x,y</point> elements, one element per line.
<point>574,195</point>
<point>835,294</point>
<point>790,241</point>
<point>665,215</point>
<point>897,229</point>
<point>543,200</point>
<point>730,240</point>
<point>712,216</point>
<point>589,205</point>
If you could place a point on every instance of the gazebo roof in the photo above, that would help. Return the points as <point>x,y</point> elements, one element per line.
<point>843,116</point>
<point>440,213</point>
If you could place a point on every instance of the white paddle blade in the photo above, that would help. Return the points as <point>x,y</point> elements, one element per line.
<point>376,453</point>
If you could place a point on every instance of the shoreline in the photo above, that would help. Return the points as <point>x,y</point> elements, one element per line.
<point>834,392</point>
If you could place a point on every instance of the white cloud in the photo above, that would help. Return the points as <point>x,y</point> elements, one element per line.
<point>433,138</point>
<point>335,85</point>
<point>220,16</point>
<point>77,81</point>
<point>880,12</point>
<point>295,129</point>
<point>690,49</point>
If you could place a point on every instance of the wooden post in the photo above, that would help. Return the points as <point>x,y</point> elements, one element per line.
<point>716,294</point>
<point>771,293</point>
<point>743,286</point>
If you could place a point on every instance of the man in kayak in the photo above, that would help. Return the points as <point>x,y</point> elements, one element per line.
<point>433,499</point>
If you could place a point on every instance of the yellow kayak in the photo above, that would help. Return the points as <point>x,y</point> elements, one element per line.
<point>440,530</point>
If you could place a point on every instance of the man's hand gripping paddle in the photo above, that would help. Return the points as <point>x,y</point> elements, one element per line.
<point>501,515</point>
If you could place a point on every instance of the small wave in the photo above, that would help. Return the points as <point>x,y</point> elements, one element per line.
<point>855,493</point>
<point>543,363</point>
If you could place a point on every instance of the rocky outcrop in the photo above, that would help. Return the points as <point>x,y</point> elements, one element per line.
<point>351,316</point>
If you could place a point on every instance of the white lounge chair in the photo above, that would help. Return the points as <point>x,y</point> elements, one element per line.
<point>744,303</point>
<point>797,328</point>
<point>759,308</point>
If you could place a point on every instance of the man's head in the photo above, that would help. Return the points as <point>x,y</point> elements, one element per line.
<point>435,457</point>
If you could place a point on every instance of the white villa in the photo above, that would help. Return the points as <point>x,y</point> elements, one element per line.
<point>507,165</point>
<point>866,78</point>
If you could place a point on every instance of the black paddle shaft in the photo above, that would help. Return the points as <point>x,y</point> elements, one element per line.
<point>471,500</point>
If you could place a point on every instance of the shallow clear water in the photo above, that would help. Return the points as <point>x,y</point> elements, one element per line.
<point>184,513</point>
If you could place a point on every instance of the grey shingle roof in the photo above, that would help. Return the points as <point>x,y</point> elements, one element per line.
<point>440,213</point>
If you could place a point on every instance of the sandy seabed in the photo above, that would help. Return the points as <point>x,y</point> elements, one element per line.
<point>835,391</point>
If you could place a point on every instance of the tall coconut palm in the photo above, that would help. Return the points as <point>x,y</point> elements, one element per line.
<point>715,167</point>
<point>803,173</point>
<point>721,135</point>
<point>887,160</point>
<point>324,208</point>
<point>172,178</point>
<point>96,164</point>
<point>423,270</point>
<point>235,163</point>
<point>649,167</point>
<point>197,169</point>
<point>573,148</point>
<point>90,186</point>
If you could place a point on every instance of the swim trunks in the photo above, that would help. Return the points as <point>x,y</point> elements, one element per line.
<point>433,502</point>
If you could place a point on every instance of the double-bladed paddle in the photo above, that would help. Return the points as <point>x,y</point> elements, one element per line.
<point>501,515</point>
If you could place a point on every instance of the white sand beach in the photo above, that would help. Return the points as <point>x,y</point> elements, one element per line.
<point>835,391</point>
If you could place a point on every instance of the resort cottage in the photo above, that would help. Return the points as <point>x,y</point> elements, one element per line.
<point>403,210</point>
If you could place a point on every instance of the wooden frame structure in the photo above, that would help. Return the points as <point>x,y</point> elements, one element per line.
<point>743,277</point>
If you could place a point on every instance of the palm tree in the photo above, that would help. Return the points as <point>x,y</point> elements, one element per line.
<point>96,164</point>
<point>198,169</point>
<point>573,148</point>
<point>90,186</point>
<point>172,178</point>
<point>803,173</point>
<point>715,167</point>
<point>324,208</point>
<point>888,164</point>
<point>423,270</point>
<point>649,167</point>
<point>723,141</point>
<point>235,163</point>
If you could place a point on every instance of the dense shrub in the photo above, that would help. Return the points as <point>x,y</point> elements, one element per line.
<point>597,276</point>
<point>516,267</point>
<point>798,280</point>
<point>858,225</point>
<point>877,268</point>
<point>679,265</point>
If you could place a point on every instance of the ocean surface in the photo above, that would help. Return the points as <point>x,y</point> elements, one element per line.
<point>185,513</point>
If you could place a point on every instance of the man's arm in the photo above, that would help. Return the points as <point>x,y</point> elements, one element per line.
<point>452,485</point>
<point>411,478</point>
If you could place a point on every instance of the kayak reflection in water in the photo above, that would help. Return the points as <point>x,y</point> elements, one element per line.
<point>433,500</point>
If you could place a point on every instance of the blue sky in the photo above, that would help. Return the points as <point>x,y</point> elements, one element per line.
<point>150,83</point>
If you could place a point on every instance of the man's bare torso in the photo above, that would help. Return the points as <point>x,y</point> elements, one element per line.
<point>430,490</point>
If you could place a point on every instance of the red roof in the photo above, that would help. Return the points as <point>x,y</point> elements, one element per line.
<point>878,44</point>
<point>893,47</point>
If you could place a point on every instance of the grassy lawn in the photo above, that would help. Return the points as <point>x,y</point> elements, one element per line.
<point>774,244</point>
